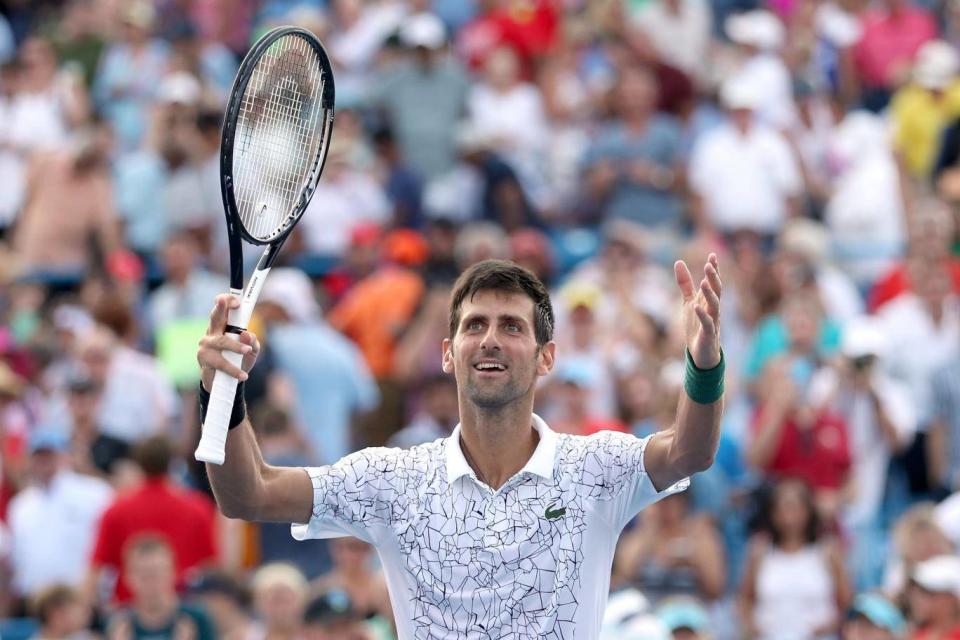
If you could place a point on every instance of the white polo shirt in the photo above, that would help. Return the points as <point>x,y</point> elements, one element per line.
<point>531,560</point>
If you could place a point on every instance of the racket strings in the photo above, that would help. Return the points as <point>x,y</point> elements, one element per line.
<point>279,133</point>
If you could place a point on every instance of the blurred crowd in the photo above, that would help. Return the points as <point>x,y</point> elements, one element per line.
<point>813,144</point>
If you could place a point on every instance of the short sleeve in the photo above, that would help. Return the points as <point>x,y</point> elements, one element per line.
<point>617,460</point>
<point>355,493</point>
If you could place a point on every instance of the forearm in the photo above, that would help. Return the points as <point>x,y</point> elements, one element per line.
<point>238,483</point>
<point>697,434</point>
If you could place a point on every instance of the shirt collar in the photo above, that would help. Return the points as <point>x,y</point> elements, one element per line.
<point>540,463</point>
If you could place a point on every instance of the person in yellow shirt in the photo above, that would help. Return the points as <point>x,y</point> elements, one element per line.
<point>922,109</point>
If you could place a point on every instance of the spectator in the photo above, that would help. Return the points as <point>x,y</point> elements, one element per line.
<point>62,614</point>
<point>760,35</point>
<point>126,82</point>
<point>53,522</point>
<point>794,583</point>
<point>354,573</point>
<point>864,213</point>
<point>672,552</point>
<point>679,30</point>
<point>916,538</point>
<point>438,414</point>
<point>183,519</point>
<point>427,77</point>
<point>893,32</point>
<point>743,173</point>
<point>279,598</point>
<point>137,400</point>
<point>935,598</point>
<point>149,568</point>
<point>923,109</point>
<point>226,601</point>
<point>188,287</point>
<point>332,386</point>
<point>68,206</point>
<point>633,169</point>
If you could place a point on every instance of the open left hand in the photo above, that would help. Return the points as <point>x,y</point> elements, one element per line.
<point>701,312</point>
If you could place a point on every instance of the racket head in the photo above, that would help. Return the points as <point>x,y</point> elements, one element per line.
<point>276,134</point>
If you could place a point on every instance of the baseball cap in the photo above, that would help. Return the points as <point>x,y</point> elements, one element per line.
<point>291,290</point>
<point>879,611</point>
<point>581,294</point>
<point>758,28</point>
<point>179,88</point>
<point>738,93</point>
<point>940,574</point>
<point>423,30</point>
<point>862,337</point>
<point>47,440</point>
<point>936,65</point>
<point>683,614</point>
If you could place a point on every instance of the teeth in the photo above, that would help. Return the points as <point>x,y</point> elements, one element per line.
<point>489,365</point>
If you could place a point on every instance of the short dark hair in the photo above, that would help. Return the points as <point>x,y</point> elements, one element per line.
<point>508,277</point>
<point>153,455</point>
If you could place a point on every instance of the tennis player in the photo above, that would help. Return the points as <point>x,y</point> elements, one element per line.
<point>505,529</point>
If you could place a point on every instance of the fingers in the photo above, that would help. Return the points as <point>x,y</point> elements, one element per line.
<point>250,340</point>
<point>706,320</point>
<point>684,279</point>
<point>222,305</point>
<point>713,276</point>
<point>711,298</point>
<point>210,355</point>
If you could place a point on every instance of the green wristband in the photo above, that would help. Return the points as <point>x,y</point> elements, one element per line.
<point>704,386</point>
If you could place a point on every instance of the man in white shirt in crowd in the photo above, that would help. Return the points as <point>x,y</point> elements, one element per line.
<point>53,521</point>
<point>506,528</point>
<point>743,173</point>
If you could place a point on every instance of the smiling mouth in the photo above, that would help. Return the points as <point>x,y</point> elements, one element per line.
<point>490,367</point>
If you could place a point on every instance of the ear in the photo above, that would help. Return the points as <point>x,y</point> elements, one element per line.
<point>447,362</point>
<point>547,357</point>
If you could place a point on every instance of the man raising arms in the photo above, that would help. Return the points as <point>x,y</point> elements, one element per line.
<point>504,529</point>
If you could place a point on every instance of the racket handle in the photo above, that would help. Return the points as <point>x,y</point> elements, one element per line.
<point>213,437</point>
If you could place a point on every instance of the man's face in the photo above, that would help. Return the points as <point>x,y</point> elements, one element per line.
<point>494,354</point>
<point>151,574</point>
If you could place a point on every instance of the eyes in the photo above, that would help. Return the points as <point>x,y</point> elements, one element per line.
<point>510,326</point>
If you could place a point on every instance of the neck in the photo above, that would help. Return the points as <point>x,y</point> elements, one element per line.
<point>157,612</point>
<point>497,443</point>
<point>792,542</point>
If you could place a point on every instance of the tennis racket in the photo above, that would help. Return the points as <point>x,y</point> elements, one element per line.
<point>276,133</point>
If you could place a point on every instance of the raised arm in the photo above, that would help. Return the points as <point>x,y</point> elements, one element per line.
<point>244,485</point>
<point>690,445</point>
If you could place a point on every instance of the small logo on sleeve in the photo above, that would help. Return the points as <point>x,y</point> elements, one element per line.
<point>553,514</point>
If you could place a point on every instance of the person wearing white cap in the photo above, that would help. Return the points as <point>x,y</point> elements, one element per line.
<point>923,109</point>
<point>325,371</point>
<point>934,599</point>
<point>760,35</point>
<point>881,422</point>
<point>743,173</point>
<point>424,97</point>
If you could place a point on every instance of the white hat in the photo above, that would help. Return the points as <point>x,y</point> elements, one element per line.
<point>423,30</point>
<point>180,87</point>
<point>738,93</point>
<point>862,337</point>
<point>939,574</point>
<point>291,290</point>
<point>758,28</point>
<point>936,65</point>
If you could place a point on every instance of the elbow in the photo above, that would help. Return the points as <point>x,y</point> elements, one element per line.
<point>695,462</point>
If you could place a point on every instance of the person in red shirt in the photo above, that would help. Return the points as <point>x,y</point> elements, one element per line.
<point>184,518</point>
<point>793,439</point>
<point>892,34</point>
<point>934,597</point>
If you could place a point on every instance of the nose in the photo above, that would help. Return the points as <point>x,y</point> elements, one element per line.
<point>490,340</point>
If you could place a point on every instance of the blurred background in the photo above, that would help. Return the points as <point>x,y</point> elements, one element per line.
<point>813,144</point>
